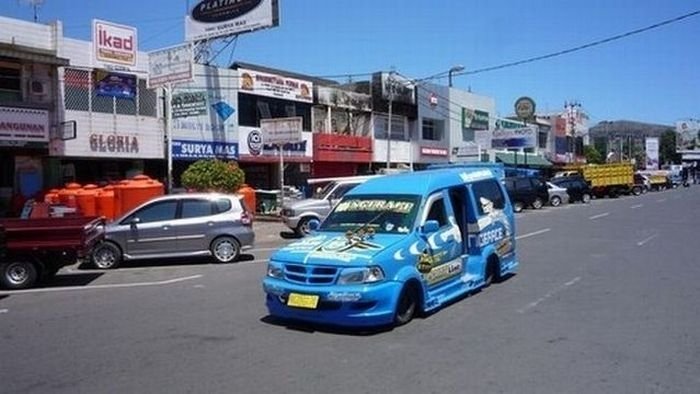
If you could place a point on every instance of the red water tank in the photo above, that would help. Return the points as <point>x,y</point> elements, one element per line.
<point>104,202</point>
<point>66,196</point>
<point>85,198</point>
<point>51,197</point>
<point>248,194</point>
<point>136,191</point>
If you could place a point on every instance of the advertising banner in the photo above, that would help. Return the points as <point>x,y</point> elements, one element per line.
<point>210,19</point>
<point>112,84</point>
<point>652,153</point>
<point>188,104</point>
<point>339,98</point>
<point>24,124</point>
<point>195,150</point>
<point>688,135</point>
<point>271,85</point>
<point>522,137</point>
<point>114,46</point>
<point>251,144</point>
<point>282,130</point>
<point>475,119</point>
<point>170,65</point>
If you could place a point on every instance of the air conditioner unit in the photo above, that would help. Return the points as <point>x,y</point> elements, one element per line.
<point>38,88</point>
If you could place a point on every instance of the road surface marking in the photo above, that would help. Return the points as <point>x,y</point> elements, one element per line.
<point>549,295</point>
<point>645,240</point>
<point>636,206</point>
<point>4,310</point>
<point>661,200</point>
<point>106,286</point>
<point>532,234</point>
<point>602,215</point>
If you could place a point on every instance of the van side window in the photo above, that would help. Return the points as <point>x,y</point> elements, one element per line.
<point>437,212</point>
<point>489,190</point>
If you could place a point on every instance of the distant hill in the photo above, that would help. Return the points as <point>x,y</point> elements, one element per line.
<point>624,128</point>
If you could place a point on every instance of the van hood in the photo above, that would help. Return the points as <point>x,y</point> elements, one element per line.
<point>307,203</point>
<point>335,248</point>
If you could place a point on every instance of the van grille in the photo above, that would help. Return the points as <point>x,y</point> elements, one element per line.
<point>309,274</point>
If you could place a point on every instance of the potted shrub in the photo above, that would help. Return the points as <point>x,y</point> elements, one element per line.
<point>212,175</point>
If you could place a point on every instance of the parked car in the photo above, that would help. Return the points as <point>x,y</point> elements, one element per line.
<point>35,249</point>
<point>526,191</point>
<point>557,194</point>
<point>576,187</point>
<point>181,225</point>
<point>298,215</point>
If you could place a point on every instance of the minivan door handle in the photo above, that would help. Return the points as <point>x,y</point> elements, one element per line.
<point>166,227</point>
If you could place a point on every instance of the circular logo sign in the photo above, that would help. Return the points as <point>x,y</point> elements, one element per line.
<point>525,108</point>
<point>255,142</point>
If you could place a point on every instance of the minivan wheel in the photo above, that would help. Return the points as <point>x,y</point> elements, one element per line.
<point>555,201</point>
<point>586,198</point>
<point>407,305</point>
<point>538,203</point>
<point>106,256</point>
<point>17,275</point>
<point>518,207</point>
<point>303,229</point>
<point>225,249</point>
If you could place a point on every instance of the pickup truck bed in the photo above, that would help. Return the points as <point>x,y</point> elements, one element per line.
<point>37,248</point>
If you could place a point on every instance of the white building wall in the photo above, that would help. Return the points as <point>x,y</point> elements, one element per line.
<point>462,99</point>
<point>28,34</point>
<point>433,103</point>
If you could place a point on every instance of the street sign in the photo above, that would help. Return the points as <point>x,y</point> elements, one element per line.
<point>281,131</point>
<point>170,65</point>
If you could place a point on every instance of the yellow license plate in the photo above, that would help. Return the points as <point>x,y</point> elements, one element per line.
<point>302,301</point>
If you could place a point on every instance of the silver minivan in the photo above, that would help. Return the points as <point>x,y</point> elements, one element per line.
<point>181,225</point>
<point>298,215</point>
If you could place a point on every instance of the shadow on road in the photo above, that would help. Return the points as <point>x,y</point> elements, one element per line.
<point>70,280</point>
<point>310,328</point>
<point>289,235</point>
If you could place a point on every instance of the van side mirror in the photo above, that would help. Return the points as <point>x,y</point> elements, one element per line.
<point>430,227</point>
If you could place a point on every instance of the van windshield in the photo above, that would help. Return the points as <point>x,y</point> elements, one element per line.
<point>387,214</point>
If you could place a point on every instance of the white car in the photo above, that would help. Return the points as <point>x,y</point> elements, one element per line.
<point>557,194</point>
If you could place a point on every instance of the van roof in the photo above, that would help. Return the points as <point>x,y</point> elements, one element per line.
<point>424,182</point>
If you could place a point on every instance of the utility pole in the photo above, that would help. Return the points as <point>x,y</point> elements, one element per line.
<point>571,112</point>
<point>390,87</point>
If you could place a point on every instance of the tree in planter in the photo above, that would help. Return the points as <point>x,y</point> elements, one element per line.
<point>593,156</point>
<point>213,175</point>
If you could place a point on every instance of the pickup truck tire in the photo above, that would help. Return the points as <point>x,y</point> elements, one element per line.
<point>538,203</point>
<point>225,249</point>
<point>555,201</point>
<point>586,198</point>
<point>407,305</point>
<point>636,190</point>
<point>106,255</point>
<point>18,274</point>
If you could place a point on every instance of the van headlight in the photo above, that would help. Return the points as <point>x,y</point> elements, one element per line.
<point>275,270</point>
<point>351,276</point>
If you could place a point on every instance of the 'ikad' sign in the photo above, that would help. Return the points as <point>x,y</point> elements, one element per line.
<point>114,46</point>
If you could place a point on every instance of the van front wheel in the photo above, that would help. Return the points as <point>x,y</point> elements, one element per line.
<point>407,305</point>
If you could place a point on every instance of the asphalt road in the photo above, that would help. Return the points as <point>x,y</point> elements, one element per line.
<point>606,301</point>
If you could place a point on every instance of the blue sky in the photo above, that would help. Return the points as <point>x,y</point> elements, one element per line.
<point>654,76</point>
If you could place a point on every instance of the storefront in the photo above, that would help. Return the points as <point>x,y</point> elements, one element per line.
<point>269,94</point>
<point>342,144</point>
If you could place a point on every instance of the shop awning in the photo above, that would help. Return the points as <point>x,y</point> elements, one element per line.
<point>533,160</point>
<point>32,54</point>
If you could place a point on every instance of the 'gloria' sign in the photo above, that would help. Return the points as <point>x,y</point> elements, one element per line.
<point>114,45</point>
<point>221,18</point>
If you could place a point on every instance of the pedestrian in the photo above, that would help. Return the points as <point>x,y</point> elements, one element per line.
<point>684,176</point>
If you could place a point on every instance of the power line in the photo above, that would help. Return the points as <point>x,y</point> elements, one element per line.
<point>575,49</point>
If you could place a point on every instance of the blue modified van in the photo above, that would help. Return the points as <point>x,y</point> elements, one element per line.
<point>396,246</point>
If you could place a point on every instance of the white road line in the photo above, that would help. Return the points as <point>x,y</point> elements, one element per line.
<point>661,200</point>
<point>549,295</point>
<point>532,234</point>
<point>97,287</point>
<point>645,240</point>
<point>636,206</point>
<point>4,310</point>
<point>602,215</point>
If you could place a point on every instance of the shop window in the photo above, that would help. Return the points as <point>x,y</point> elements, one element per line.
<point>147,99</point>
<point>432,129</point>
<point>398,127</point>
<point>252,108</point>
<point>542,140</point>
<point>468,135</point>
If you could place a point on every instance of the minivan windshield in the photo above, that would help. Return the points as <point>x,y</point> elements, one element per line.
<point>387,214</point>
<point>321,192</point>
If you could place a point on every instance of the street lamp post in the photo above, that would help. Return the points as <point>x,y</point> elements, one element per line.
<point>453,70</point>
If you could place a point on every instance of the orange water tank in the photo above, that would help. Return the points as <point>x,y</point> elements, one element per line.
<point>139,189</point>
<point>51,197</point>
<point>85,198</point>
<point>104,202</point>
<point>66,196</point>
<point>118,188</point>
<point>248,194</point>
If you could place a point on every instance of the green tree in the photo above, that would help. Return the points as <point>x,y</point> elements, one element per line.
<point>593,156</point>
<point>667,148</point>
<point>213,175</point>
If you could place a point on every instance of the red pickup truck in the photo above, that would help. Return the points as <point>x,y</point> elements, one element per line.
<point>34,249</point>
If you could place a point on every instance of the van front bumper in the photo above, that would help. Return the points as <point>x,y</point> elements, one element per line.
<point>340,305</point>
